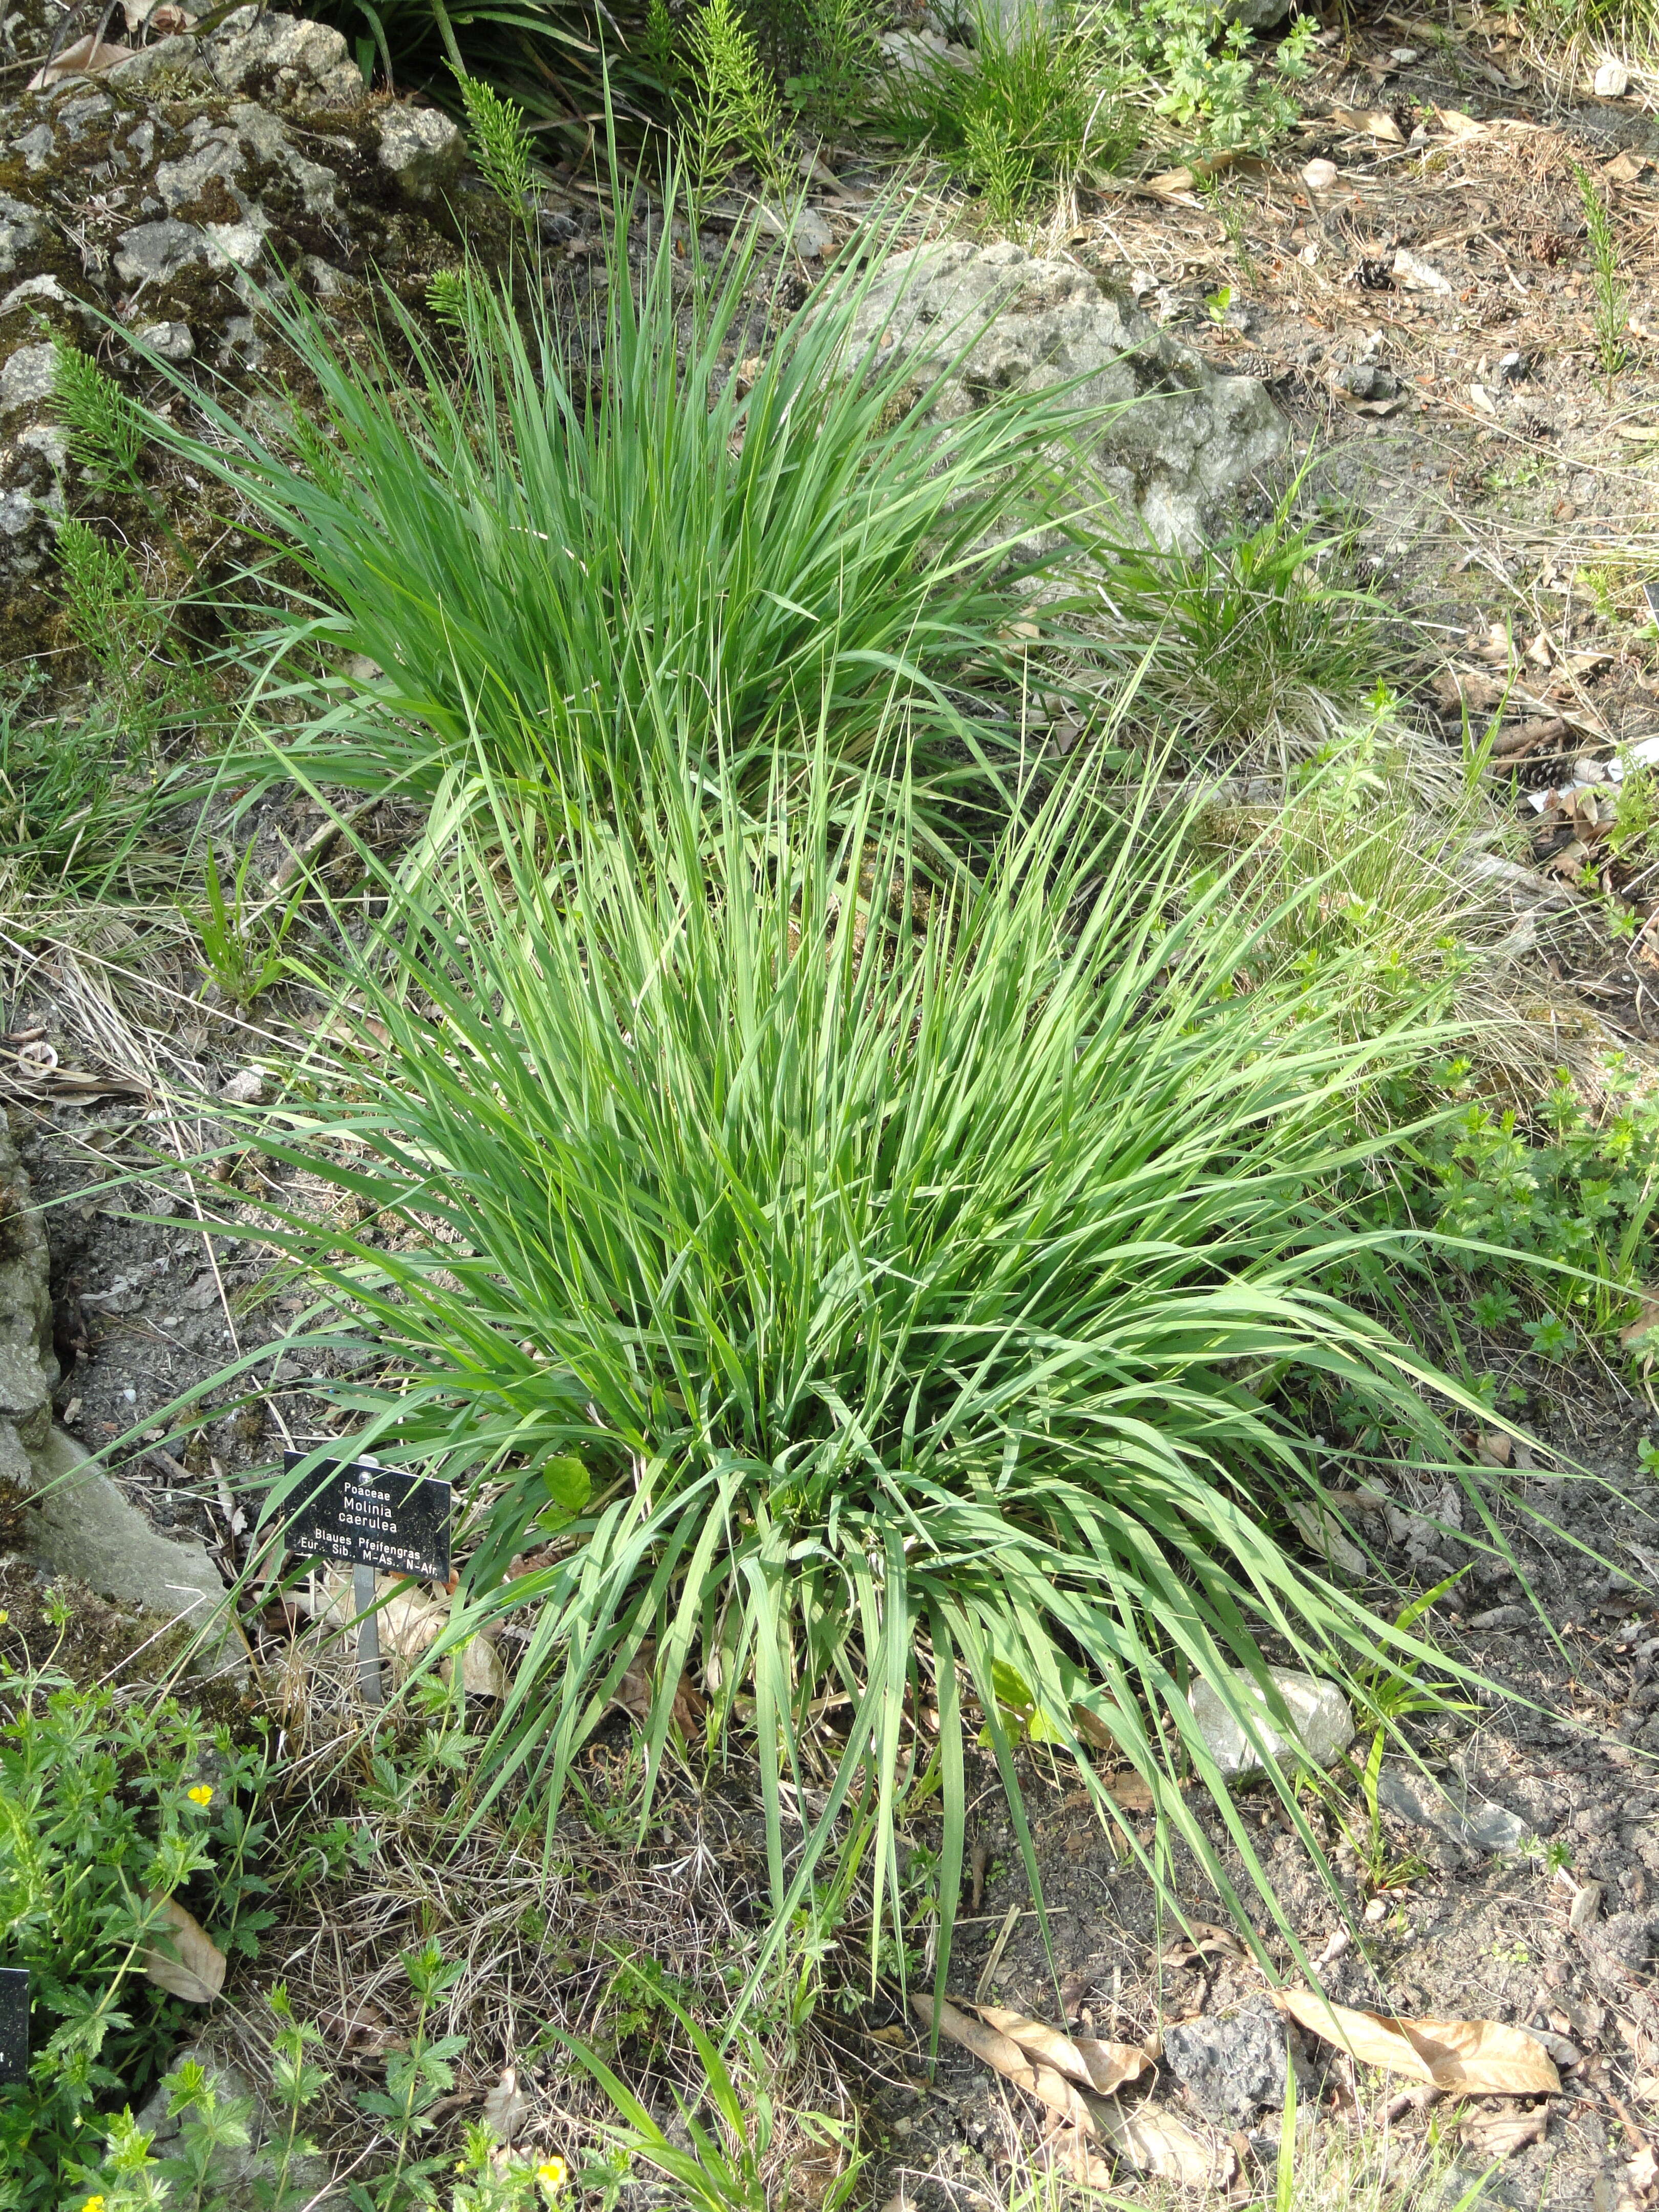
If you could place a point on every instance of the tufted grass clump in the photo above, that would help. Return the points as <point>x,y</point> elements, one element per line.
<point>1041,101</point>
<point>551,571</point>
<point>865,1296</point>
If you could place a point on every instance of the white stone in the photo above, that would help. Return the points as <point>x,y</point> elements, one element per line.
<point>1176,440</point>
<point>245,1088</point>
<point>27,377</point>
<point>1323,1720</point>
<point>152,252</point>
<point>807,231</point>
<point>1319,176</point>
<point>172,341</point>
<point>1612,81</point>
<point>421,148</point>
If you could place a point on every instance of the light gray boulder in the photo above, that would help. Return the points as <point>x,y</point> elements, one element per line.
<point>1180,440</point>
<point>78,1524</point>
<point>422,149</point>
<point>1322,1717</point>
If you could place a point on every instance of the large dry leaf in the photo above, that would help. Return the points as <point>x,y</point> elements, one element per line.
<point>1156,2143</point>
<point>1369,123</point>
<point>1150,2142</point>
<point>1101,2066</point>
<point>412,1623</point>
<point>1463,2057</point>
<point>84,59</point>
<point>506,2108</point>
<point>1001,2051</point>
<point>196,1971</point>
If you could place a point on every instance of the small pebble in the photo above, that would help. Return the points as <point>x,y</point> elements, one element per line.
<point>1376,1910</point>
<point>1612,81</point>
<point>1319,176</point>
<point>245,1088</point>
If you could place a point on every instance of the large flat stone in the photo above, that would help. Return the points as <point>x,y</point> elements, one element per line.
<point>1179,440</point>
<point>79,1524</point>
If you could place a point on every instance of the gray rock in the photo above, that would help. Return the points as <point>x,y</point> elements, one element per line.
<point>992,319</point>
<point>19,228</point>
<point>36,146</point>
<point>172,341</point>
<point>235,2170</point>
<point>1257,15</point>
<point>1323,1718</point>
<point>153,253</point>
<point>1469,1822</point>
<point>807,231</point>
<point>920,53</point>
<point>286,58</point>
<point>220,159</point>
<point>180,59</point>
<point>1231,2065</point>
<point>27,378</point>
<point>28,1371</point>
<point>422,149</point>
<point>80,1525</point>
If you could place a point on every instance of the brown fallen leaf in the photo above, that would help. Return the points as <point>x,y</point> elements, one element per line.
<point>412,1623</point>
<point>506,2108</point>
<point>1171,184</point>
<point>1456,124</point>
<point>1098,2065</point>
<point>1129,1791</point>
<point>636,1692</point>
<point>1454,691</point>
<point>1463,2057</point>
<point>85,58</point>
<point>1525,737</point>
<point>191,1965</point>
<point>1368,123</point>
<point>1494,1448</point>
<point>1150,2142</point>
<point>1006,2058</point>
<point>1500,2135</point>
<point>1646,1319</point>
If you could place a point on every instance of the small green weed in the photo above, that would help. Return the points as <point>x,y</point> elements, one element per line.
<point>719,2167</point>
<point>65,822</point>
<point>1556,1185</point>
<point>832,86</point>
<point>104,1820</point>
<point>243,943</point>
<point>105,431</point>
<point>1203,68</point>
<point>109,612</point>
<point>1042,103</point>
<point>1260,639</point>
<point>415,2081</point>
<point>1611,296</point>
<point>1386,1691</point>
<point>1636,815</point>
<point>501,145</point>
<point>728,103</point>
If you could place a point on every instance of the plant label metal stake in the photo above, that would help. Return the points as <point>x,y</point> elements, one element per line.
<point>13,2024</point>
<point>380,1518</point>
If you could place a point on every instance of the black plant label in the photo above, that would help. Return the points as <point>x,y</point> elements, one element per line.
<point>379,1516</point>
<point>13,2024</point>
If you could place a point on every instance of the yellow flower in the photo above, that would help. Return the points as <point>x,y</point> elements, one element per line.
<point>4,1616</point>
<point>201,1794</point>
<point>93,2204</point>
<point>551,2173</point>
